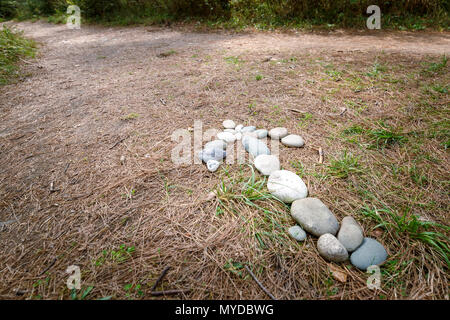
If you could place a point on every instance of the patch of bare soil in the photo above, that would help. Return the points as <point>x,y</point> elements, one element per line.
<point>97,94</point>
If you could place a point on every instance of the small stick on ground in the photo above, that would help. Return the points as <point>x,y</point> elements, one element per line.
<point>48,268</point>
<point>298,111</point>
<point>115,144</point>
<point>161,276</point>
<point>321,154</point>
<point>260,284</point>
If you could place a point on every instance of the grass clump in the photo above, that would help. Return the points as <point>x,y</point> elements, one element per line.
<point>13,46</point>
<point>430,233</point>
<point>344,166</point>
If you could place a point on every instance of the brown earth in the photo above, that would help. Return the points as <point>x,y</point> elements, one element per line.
<point>96,94</point>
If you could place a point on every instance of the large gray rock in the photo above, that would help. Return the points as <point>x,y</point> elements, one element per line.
<point>369,253</point>
<point>331,249</point>
<point>278,133</point>
<point>286,186</point>
<point>297,233</point>
<point>212,154</point>
<point>351,234</point>
<point>293,140</point>
<point>314,216</point>
<point>254,146</point>
<point>266,164</point>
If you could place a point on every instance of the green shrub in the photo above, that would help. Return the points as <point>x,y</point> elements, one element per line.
<point>12,47</point>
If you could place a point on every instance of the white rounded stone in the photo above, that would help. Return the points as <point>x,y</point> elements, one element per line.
<point>266,164</point>
<point>216,144</point>
<point>239,127</point>
<point>331,249</point>
<point>228,137</point>
<point>229,124</point>
<point>286,186</point>
<point>293,140</point>
<point>278,133</point>
<point>212,165</point>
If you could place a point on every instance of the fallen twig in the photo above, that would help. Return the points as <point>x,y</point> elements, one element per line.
<point>161,276</point>
<point>298,111</point>
<point>48,268</point>
<point>321,154</point>
<point>259,283</point>
<point>115,144</point>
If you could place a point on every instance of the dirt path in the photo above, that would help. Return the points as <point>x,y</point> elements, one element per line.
<point>100,93</point>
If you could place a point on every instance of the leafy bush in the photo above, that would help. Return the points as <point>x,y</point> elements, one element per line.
<point>12,47</point>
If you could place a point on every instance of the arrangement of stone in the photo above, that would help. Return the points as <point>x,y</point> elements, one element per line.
<point>336,242</point>
<point>314,217</point>
<point>213,152</point>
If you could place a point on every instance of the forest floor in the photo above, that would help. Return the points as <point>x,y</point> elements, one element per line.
<point>377,103</point>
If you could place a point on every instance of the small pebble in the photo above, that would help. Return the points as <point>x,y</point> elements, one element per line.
<point>286,186</point>
<point>331,249</point>
<point>369,253</point>
<point>351,234</point>
<point>220,144</point>
<point>229,124</point>
<point>278,133</point>
<point>297,233</point>
<point>239,127</point>
<point>212,165</point>
<point>261,133</point>
<point>248,129</point>
<point>293,140</point>
<point>254,146</point>
<point>228,137</point>
<point>212,154</point>
<point>266,164</point>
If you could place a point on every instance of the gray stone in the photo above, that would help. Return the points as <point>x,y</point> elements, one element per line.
<point>278,133</point>
<point>248,129</point>
<point>297,233</point>
<point>212,165</point>
<point>286,186</point>
<point>293,140</point>
<point>369,253</point>
<point>314,216</point>
<point>266,164</point>
<point>261,133</point>
<point>228,137</point>
<point>254,146</point>
<point>229,124</point>
<point>331,249</point>
<point>212,154</point>
<point>351,234</point>
<point>220,144</point>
